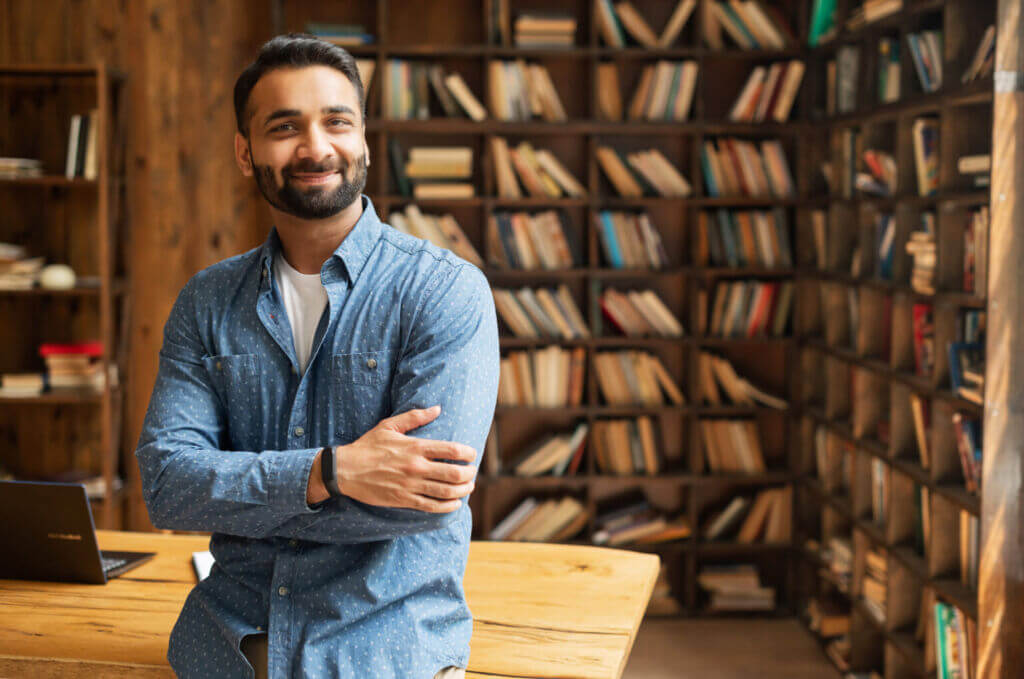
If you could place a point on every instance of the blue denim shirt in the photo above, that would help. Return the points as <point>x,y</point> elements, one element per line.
<point>344,588</point>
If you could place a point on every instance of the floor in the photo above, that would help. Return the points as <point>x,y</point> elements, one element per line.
<point>688,648</point>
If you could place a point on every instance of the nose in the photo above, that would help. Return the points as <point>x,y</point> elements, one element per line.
<point>315,145</point>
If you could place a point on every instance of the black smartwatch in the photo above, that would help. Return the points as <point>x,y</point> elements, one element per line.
<point>328,471</point>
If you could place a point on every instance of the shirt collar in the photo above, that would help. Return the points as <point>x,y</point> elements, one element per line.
<point>348,259</point>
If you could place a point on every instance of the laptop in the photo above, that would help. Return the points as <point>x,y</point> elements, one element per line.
<point>48,534</point>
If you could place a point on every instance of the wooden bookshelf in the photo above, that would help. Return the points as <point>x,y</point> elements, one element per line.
<point>855,412</point>
<point>80,222</point>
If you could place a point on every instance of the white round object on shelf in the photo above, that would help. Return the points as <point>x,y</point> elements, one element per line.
<point>57,277</point>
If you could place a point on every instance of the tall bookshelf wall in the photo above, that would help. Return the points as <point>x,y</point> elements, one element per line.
<point>858,371</point>
<point>805,365</point>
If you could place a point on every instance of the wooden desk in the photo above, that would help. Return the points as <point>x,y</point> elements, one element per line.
<point>539,611</point>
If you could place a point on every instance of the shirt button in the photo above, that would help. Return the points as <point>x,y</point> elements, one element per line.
<point>218,365</point>
<point>299,431</point>
<point>294,371</point>
<point>259,628</point>
<point>293,542</point>
<point>283,591</point>
<point>371,363</point>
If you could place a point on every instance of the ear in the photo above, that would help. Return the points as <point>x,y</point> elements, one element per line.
<point>242,156</point>
<point>366,151</point>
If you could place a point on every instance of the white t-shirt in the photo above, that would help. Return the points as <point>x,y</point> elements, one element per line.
<point>305,299</point>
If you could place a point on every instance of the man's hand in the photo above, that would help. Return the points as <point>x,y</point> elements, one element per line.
<point>389,469</point>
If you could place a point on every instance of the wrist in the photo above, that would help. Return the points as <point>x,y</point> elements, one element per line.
<point>329,470</point>
<point>316,491</point>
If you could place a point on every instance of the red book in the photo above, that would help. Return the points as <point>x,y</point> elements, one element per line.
<point>577,456</point>
<point>80,348</point>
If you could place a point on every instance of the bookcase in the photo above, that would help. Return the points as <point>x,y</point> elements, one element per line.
<point>884,514</point>
<point>840,374</point>
<point>79,222</point>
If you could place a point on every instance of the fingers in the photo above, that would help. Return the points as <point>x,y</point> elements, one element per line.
<point>444,491</point>
<point>447,450</point>
<point>411,419</point>
<point>427,504</point>
<point>449,473</point>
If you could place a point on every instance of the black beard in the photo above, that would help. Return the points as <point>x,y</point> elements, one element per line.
<point>315,203</point>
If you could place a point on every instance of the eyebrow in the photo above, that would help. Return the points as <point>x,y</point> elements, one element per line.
<point>294,112</point>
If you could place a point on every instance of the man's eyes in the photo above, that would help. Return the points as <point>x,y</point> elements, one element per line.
<point>333,122</point>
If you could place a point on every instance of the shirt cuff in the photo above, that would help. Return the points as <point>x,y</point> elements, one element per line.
<point>289,480</point>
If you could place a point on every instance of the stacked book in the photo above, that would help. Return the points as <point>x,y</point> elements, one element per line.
<point>662,602</point>
<point>768,518</point>
<point>629,518</point>
<point>638,313</point>
<point>873,586</point>
<point>541,173</point>
<point>732,446</point>
<point>443,231</point>
<point>923,332</point>
<point>719,383</point>
<point>409,84</point>
<point>20,168</point>
<point>621,24</point>
<point>978,167</point>
<point>17,270</point>
<point>82,159</point>
<point>625,447</point>
<point>769,93</point>
<point>880,178</point>
<point>635,378</point>
<point>741,238</point>
<point>665,91</point>
<point>629,240</point>
<point>22,385</point>
<point>984,58</point>
<point>750,25</point>
<point>520,240</point>
<point>925,133</point>
<point>967,370</point>
<point>641,173</point>
<point>967,432</point>
<point>736,167</point>
<point>826,619</point>
<point>921,246</point>
<point>433,172</point>
<point>888,70</point>
<point>346,35</point>
<point>74,366</point>
<point>956,642</point>
<point>544,30</point>
<point>871,11</point>
<point>926,50</point>
<point>547,520</point>
<point>555,455</point>
<point>735,588</point>
<point>749,308</point>
<point>521,91</point>
<point>550,377</point>
<point>541,312</point>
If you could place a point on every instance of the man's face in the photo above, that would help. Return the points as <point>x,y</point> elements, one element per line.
<point>307,145</point>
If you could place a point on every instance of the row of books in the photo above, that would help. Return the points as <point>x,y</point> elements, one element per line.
<point>871,11</point>
<point>632,377</point>
<point>975,272</point>
<point>558,454</point>
<point>766,517</point>
<point>732,446</point>
<point>769,93</point>
<point>629,518</point>
<point>735,587</point>
<point>549,377</point>
<point>627,446</point>
<point>540,172</point>
<point>410,84</point>
<point>443,231</point>
<point>639,313</point>
<point>926,51</point>
<point>748,308</point>
<point>956,642</point>
<point>719,383</point>
<point>542,520</point>
<point>737,167</point>
<point>82,159</point>
<point>642,173</point>
<point>520,240</point>
<point>970,543</point>
<point>629,240</point>
<point>20,168</point>
<point>739,238</point>
<point>749,25</point>
<point>540,313</point>
<point>889,69</point>
<point>621,24</point>
<point>664,91</point>
<point>521,91</point>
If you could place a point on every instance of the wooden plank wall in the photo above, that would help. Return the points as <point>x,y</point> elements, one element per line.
<point>188,206</point>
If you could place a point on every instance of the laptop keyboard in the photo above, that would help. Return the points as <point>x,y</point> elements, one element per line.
<point>110,564</point>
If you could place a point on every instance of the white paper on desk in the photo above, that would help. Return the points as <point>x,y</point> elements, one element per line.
<point>202,562</point>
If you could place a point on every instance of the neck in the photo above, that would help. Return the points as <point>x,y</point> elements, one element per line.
<point>308,243</point>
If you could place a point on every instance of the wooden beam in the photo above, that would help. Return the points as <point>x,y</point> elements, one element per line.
<point>1001,577</point>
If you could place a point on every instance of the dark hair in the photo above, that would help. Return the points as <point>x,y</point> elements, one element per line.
<point>293,50</point>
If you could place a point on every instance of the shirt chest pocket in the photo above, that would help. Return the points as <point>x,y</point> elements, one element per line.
<point>236,380</point>
<point>361,384</point>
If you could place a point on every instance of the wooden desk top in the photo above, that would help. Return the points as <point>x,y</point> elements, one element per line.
<point>539,611</point>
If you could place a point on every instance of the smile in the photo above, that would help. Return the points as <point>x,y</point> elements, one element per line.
<point>315,178</point>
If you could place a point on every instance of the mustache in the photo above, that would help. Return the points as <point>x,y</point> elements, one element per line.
<point>314,168</point>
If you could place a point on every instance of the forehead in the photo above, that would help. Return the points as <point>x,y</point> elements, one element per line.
<point>307,89</point>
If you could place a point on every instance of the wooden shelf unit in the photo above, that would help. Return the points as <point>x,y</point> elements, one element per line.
<point>826,401</point>
<point>80,222</point>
